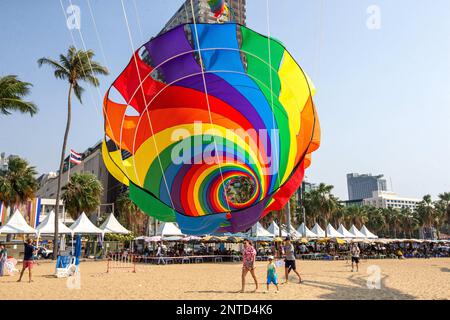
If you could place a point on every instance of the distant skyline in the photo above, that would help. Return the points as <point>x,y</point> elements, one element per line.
<point>383,95</point>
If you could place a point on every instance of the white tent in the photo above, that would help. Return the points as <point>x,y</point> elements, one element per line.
<point>318,231</point>
<point>304,231</point>
<point>367,233</point>
<point>275,230</point>
<point>168,229</point>
<point>111,225</point>
<point>345,232</point>
<point>47,226</point>
<point>356,232</point>
<point>332,233</point>
<point>84,226</point>
<point>17,225</point>
<point>293,233</point>
<point>259,231</point>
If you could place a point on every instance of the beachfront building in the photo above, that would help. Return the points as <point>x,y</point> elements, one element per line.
<point>362,186</point>
<point>385,199</point>
<point>203,14</point>
<point>92,162</point>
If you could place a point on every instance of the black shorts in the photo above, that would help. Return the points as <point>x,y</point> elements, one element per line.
<point>290,264</point>
<point>355,259</point>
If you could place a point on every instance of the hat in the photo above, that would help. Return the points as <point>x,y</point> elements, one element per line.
<point>288,238</point>
<point>270,257</point>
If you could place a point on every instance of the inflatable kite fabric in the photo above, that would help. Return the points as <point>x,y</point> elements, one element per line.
<point>218,7</point>
<point>203,109</point>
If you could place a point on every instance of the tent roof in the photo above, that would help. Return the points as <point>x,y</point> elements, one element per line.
<point>293,232</point>
<point>275,230</point>
<point>356,232</point>
<point>84,226</point>
<point>168,229</point>
<point>17,225</point>
<point>332,233</point>
<point>47,226</point>
<point>308,233</point>
<point>318,231</point>
<point>367,233</point>
<point>259,231</point>
<point>345,232</point>
<point>111,225</point>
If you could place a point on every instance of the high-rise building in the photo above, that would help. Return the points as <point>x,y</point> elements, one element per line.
<point>362,186</point>
<point>203,14</point>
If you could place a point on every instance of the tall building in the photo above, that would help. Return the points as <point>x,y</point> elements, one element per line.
<point>384,199</point>
<point>362,186</point>
<point>203,14</point>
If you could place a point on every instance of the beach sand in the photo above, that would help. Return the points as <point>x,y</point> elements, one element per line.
<point>400,279</point>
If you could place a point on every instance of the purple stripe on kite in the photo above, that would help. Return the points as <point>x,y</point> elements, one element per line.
<point>167,46</point>
<point>245,219</point>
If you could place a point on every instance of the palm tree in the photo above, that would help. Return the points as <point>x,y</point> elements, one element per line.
<point>12,92</point>
<point>74,67</point>
<point>443,205</point>
<point>357,215</point>
<point>17,184</point>
<point>129,213</point>
<point>82,194</point>
<point>426,212</point>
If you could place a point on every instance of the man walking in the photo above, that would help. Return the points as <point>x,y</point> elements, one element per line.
<point>289,261</point>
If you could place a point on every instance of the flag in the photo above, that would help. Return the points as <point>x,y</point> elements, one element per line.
<point>34,212</point>
<point>75,157</point>
<point>3,213</point>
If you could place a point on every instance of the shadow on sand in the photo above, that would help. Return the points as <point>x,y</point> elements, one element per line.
<point>359,291</point>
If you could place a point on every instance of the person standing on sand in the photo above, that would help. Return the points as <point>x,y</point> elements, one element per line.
<point>248,260</point>
<point>355,251</point>
<point>3,259</point>
<point>289,261</point>
<point>27,259</point>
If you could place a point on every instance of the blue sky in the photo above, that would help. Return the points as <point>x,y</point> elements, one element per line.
<point>383,95</point>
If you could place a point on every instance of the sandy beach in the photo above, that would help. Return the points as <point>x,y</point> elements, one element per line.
<point>400,279</point>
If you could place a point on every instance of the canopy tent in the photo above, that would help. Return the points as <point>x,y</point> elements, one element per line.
<point>332,233</point>
<point>367,233</point>
<point>168,229</point>
<point>356,232</point>
<point>259,231</point>
<point>275,230</point>
<point>84,226</point>
<point>345,232</point>
<point>47,226</point>
<point>17,225</point>
<point>305,232</point>
<point>111,225</point>
<point>318,231</point>
<point>293,233</point>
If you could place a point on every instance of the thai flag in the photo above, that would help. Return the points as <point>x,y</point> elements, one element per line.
<point>75,157</point>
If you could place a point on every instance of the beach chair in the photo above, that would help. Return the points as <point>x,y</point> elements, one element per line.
<point>66,266</point>
<point>185,260</point>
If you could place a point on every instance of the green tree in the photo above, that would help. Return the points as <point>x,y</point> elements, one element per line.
<point>12,92</point>
<point>82,194</point>
<point>130,215</point>
<point>75,67</point>
<point>426,213</point>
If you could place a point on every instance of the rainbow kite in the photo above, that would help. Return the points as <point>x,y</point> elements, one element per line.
<point>197,109</point>
<point>218,7</point>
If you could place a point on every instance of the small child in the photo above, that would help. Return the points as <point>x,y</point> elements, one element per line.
<point>272,276</point>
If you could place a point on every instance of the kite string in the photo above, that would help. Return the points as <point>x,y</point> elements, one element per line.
<point>78,55</point>
<point>277,153</point>
<point>207,100</point>
<point>148,113</point>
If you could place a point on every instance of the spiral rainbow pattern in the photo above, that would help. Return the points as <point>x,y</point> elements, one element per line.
<point>199,106</point>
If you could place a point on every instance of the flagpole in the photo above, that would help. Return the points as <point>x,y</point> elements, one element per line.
<point>68,180</point>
